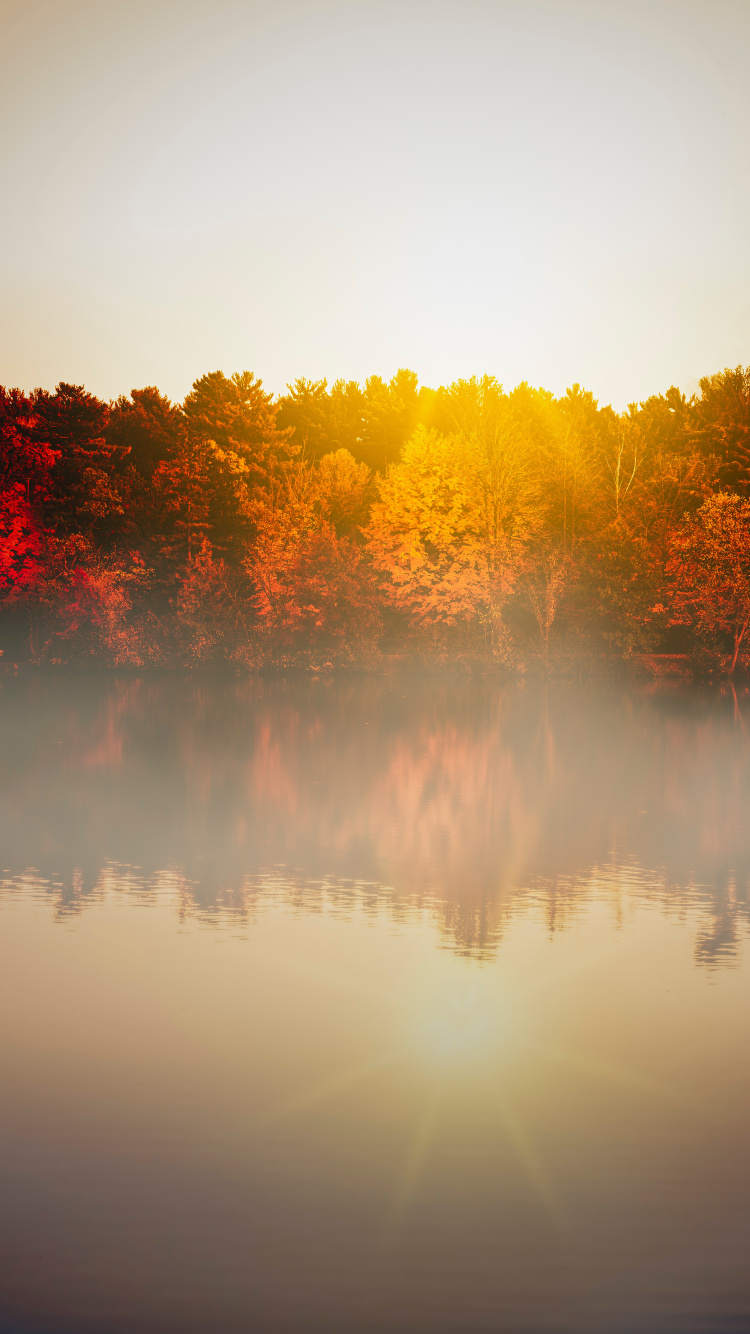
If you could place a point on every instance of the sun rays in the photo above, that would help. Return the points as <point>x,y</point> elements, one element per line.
<point>416,1156</point>
<point>529,1157</point>
<point>338,1084</point>
<point>456,1046</point>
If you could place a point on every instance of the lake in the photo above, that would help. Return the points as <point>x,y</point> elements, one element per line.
<point>373,1005</point>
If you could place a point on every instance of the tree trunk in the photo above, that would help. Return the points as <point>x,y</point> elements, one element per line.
<point>738,638</point>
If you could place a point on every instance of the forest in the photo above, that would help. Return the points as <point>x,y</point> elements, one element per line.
<point>347,526</point>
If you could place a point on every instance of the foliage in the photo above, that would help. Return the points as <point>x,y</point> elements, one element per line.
<point>503,527</point>
<point>212,608</point>
<point>21,546</point>
<point>721,424</point>
<point>373,423</point>
<point>710,566</point>
<point>441,536</point>
<point>312,587</point>
<point>343,488</point>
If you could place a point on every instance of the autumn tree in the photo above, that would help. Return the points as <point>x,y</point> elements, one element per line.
<point>21,546</point>
<point>426,532</point>
<point>710,572</point>
<point>645,475</point>
<point>346,418</point>
<point>85,494</point>
<point>544,584</point>
<point>26,458</point>
<point>238,524</point>
<point>307,411</point>
<point>572,463</point>
<point>182,495</point>
<point>721,425</point>
<point>666,422</point>
<point>313,588</point>
<point>213,609</point>
<point>343,489</point>
<point>373,423</point>
<point>231,449</point>
<point>455,516</point>
<point>390,414</point>
<point>145,429</point>
<point>237,415</point>
<point>498,430</point>
<point>82,602</point>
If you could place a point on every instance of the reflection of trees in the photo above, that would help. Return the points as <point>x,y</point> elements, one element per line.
<point>465,801</point>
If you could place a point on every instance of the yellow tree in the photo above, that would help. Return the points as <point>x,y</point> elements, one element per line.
<point>424,531</point>
<point>342,488</point>
<point>573,462</point>
<point>450,551</point>
<point>501,436</point>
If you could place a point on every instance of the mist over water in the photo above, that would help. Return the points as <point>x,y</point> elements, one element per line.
<point>373,1004</point>
<point>468,801</point>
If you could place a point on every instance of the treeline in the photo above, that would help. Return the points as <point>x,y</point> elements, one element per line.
<point>349,524</point>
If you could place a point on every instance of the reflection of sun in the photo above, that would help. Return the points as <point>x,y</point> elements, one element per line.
<point>457,1025</point>
<point>460,1036</point>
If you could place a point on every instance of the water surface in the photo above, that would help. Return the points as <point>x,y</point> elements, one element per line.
<point>377,1005</point>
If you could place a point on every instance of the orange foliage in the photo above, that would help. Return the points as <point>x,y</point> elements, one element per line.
<point>311,587</point>
<point>710,567</point>
<point>238,527</point>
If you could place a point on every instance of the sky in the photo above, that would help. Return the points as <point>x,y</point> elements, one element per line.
<point>550,192</point>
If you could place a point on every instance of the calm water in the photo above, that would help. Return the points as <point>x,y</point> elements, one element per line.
<point>380,1006</point>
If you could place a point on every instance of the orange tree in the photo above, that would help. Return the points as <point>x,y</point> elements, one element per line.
<point>710,571</point>
<point>229,452</point>
<point>312,585</point>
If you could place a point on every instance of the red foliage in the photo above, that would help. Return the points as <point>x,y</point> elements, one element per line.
<point>21,545</point>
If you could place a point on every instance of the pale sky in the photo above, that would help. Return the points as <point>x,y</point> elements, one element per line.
<point>544,191</point>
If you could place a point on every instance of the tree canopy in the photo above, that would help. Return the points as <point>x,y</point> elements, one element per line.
<point>347,521</point>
